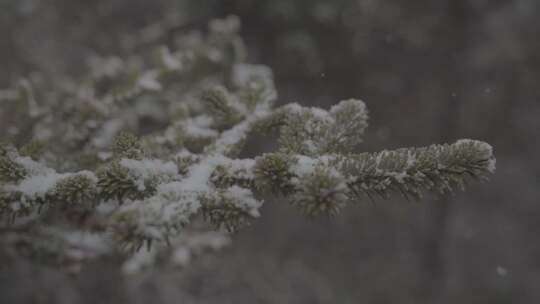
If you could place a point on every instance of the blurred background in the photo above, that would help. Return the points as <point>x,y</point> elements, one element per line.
<point>429,71</point>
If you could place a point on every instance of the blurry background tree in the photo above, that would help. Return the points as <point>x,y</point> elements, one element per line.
<point>428,70</point>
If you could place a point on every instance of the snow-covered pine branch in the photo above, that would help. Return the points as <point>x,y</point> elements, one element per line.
<point>100,189</point>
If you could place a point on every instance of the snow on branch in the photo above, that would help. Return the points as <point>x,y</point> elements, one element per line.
<point>102,181</point>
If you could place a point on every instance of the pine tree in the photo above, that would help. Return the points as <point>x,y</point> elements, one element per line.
<point>145,152</point>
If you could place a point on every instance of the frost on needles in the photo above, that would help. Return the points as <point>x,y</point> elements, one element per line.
<point>85,185</point>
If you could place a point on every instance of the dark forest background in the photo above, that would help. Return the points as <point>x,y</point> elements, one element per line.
<point>429,71</point>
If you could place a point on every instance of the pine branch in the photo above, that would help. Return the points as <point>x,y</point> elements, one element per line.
<point>324,183</point>
<point>206,102</point>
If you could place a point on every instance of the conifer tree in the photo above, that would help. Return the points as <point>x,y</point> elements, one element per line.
<point>144,152</point>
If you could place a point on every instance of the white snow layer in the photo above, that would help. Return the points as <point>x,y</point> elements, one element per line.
<point>143,170</point>
<point>243,199</point>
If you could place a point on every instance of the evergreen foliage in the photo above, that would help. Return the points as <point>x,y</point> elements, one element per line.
<point>86,183</point>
